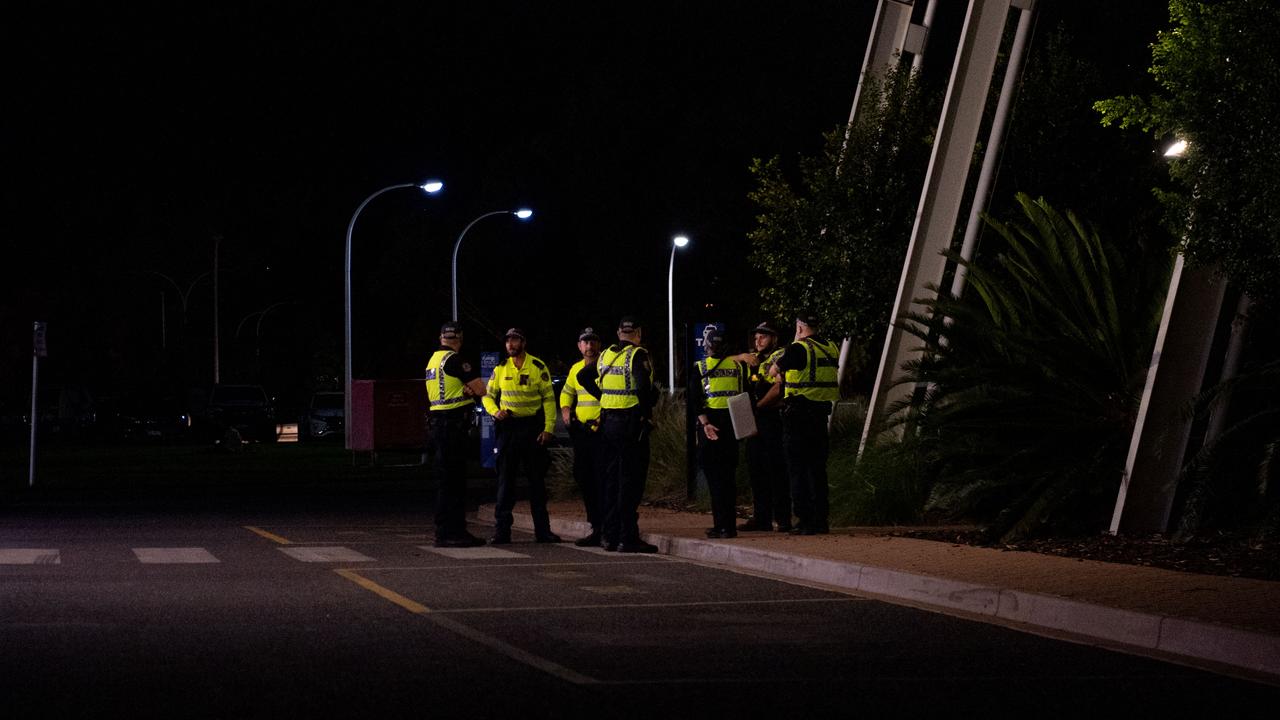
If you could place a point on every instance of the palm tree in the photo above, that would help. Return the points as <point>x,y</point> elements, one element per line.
<point>1033,377</point>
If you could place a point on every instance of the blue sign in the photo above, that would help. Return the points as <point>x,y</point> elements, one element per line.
<point>488,441</point>
<point>700,333</point>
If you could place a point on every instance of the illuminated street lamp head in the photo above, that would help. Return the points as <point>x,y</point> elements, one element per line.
<point>431,187</point>
<point>523,213</point>
<point>1177,149</point>
<point>680,241</point>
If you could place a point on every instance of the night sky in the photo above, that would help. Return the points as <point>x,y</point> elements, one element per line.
<point>137,133</point>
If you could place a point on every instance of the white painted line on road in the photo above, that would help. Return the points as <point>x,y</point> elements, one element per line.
<point>29,556</point>
<point>174,556</point>
<point>612,589</point>
<point>475,553</point>
<point>644,606</point>
<point>562,574</point>
<point>325,554</point>
<point>498,566</point>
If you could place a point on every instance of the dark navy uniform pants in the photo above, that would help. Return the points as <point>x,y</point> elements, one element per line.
<point>516,441</point>
<point>770,485</point>
<point>587,444</point>
<point>624,461</point>
<point>806,445</point>
<point>447,443</point>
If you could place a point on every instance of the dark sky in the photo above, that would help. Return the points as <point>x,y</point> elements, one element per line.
<point>135,132</point>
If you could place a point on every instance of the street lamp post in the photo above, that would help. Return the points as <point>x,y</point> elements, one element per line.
<point>678,241</point>
<point>217,377</point>
<point>523,214</point>
<point>430,187</point>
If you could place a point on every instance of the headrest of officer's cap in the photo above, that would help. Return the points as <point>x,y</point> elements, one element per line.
<point>515,333</point>
<point>715,337</point>
<point>765,328</point>
<point>451,328</point>
<point>808,318</point>
<point>629,323</point>
<point>588,333</point>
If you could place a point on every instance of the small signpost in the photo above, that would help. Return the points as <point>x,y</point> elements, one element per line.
<point>488,440</point>
<point>38,350</point>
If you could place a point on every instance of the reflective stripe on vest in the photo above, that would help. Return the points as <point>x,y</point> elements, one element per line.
<point>617,378</point>
<point>586,407</point>
<point>818,379</point>
<point>720,383</point>
<point>444,391</point>
<point>761,372</point>
<point>523,400</point>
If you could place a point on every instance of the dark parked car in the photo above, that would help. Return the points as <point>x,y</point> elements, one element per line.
<point>324,417</point>
<point>243,408</point>
<point>143,417</point>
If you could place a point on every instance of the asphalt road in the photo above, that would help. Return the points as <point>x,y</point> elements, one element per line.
<point>342,608</point>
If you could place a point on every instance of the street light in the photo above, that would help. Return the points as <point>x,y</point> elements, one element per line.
<point>522,213</point>
<point>430,187</point>
<point>678,241</point>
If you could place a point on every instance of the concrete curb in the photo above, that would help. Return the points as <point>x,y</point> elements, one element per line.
<point>1179,636</point>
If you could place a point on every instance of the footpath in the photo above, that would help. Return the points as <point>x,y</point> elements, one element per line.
<point>1223,624</point>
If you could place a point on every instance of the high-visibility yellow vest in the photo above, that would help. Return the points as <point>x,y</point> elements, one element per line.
<point>586,407</point>
<point>616,370</point>
<point>761,372</point>
<point>817,379</point>
<point>444,391</point>
<point>522,390</point>
<point>721,379</point>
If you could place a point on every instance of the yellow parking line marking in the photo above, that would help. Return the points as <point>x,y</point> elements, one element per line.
<point>270,536</point>
<point>515,653</point>
<point>384,593</point>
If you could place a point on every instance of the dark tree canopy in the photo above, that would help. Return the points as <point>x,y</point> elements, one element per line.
<point>1216,69</point>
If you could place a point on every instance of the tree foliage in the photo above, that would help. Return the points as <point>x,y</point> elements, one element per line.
<point>1035,373</point>
<point>1216,69</point>
<point>834,239</point>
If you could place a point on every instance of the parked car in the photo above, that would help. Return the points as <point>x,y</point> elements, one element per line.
<point>142,417</point>
<point>325,417</point>
<point>244,408</point>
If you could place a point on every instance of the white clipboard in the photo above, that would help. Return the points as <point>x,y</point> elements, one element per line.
<point>742,415</point>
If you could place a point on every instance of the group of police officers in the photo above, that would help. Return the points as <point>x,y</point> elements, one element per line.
<point>607,403</point>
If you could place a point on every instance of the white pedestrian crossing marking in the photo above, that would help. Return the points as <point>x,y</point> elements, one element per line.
<point>325,554</point>
<point>174,556</point>
<point>475,553</point>
<point>29,556</point>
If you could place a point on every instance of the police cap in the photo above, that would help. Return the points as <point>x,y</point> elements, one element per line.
<point>629,324</point>
<point>515,333</point>
<point>588,333</point>
<point>809,318</point>
<point>765,328</point>
<point>451,329</point>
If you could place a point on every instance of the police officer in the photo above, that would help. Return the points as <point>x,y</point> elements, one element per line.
<point>627,396</point>
<point>720,377</point>
<point>770,491</point>
<point>452,383</point>
<point>522,403</point>
<point>580,409</point>
<point>808,369</point>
